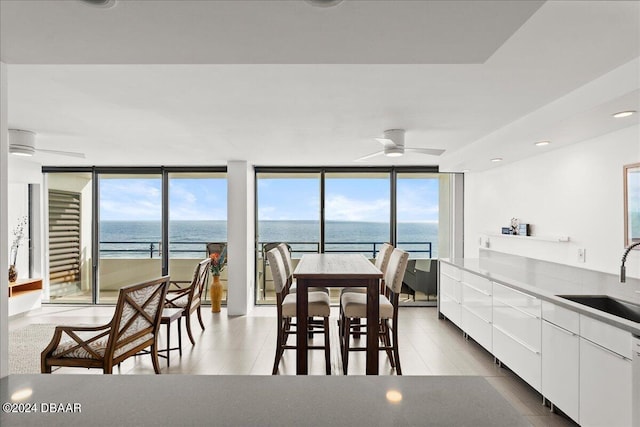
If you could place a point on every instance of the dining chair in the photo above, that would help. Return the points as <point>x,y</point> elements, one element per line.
<point>187,295</point>
<point>318,306</point>
<point>133,328</point>
<point>354,306</point>
<point>381,262</point>
<point>285,251</point>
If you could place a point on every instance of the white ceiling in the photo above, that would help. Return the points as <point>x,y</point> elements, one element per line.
<point>286,83</point>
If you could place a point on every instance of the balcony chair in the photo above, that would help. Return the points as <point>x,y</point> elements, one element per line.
<point>421,276</point>
<point>215,247</point>
<point>286,310</point>
<point>354,306</point>
<point>187,295</point>
<point>133,328</point>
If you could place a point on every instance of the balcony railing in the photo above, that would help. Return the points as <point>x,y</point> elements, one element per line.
<point>137,249</point>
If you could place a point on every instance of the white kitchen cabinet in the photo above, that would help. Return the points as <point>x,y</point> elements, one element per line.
<point>560,356</point>
<point>606,375</point>
<point>517,332</point>
<point>450,294</point>
<point>476,309</point>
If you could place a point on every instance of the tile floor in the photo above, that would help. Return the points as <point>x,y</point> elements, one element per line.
<point>245,345</point>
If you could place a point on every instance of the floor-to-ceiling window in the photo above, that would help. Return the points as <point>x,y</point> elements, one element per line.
<point>422,229</point>
<point>112,227</point>
<point>288,210</point>
<point>130,213</point>
<point>354,210</point>
<point>418,208</point>
<point>197,216</point>
<point>357,208</point>
<point>69,205</point>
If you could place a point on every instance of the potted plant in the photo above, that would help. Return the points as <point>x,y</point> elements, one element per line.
<point>218,262</point>
<point>18,237</point>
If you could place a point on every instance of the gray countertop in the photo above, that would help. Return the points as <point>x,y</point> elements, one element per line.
<point>547,280</point>
<point>199,400</point>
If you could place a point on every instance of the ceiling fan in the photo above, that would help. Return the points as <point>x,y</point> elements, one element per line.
<point>23,143</point>
<point>393,146</point>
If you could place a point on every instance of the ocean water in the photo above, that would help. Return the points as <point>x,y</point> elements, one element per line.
<point>141,239</point>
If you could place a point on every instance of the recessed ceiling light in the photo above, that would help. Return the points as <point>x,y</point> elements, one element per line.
<point>324,3</point>
<point>542,143</point>
<point>622,114</point>
<point>105,4</point>
<point>496,159</point>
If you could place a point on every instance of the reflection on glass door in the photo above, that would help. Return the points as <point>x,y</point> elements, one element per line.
<point>288,210</point>
<point>69,237</point>
<point>197,216</point>
<point>130,231</point>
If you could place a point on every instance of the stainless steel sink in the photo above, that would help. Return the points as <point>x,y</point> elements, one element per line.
<point>609,305</point>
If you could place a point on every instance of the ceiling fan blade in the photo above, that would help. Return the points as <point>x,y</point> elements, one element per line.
<point>430,151</point>
<point>62,153</point>
<point>377,153</point>
<point>385,141</point>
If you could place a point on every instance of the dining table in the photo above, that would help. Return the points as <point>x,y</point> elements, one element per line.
<point>336,270</point>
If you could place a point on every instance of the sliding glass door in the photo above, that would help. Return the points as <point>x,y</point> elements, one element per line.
<point>130,213</point>
<point>356,210</point>
<point>69,205</point>
<point>288,210</point>
<point>197,216</point>
<point>110,227</point>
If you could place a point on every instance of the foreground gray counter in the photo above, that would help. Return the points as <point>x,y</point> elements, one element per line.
<point>199,400</point>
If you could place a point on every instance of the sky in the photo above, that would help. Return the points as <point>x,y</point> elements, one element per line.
<point>347,199</point>
<point>359,199</point>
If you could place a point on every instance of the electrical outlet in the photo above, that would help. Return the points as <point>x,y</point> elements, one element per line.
<point>582,255</point>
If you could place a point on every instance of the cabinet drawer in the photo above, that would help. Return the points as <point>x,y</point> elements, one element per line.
<point>607,336</point>
<point>479,283</point>
<point>560,316</point>
<point>450,308</point>
<point>477,301</point>
<point>478,328</point>
<point>518,323</point>
<point>517,299</point>
<point>521,359</point>
<point>449,270</point>
<point>451,288</point>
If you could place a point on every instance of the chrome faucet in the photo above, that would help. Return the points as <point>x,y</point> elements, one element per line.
<point>623,270</point>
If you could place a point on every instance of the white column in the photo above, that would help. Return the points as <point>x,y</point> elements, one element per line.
<point>240,236</point>
<point>4,233</point>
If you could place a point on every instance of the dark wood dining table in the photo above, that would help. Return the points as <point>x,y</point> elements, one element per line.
<point>336,270</point>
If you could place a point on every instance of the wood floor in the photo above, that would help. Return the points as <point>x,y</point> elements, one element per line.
<point>245,345</point>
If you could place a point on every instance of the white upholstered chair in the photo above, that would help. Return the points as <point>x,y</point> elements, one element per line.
<point>286,310</point>
<point>354,306</point>
<point>381,262</point>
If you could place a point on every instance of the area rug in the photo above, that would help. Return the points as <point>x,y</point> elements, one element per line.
<point>25,346</point>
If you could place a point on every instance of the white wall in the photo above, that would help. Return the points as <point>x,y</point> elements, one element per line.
<point>576,191</point>
<point>4,235</point>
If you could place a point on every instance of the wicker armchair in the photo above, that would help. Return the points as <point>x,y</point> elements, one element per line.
<point>133,328</point>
